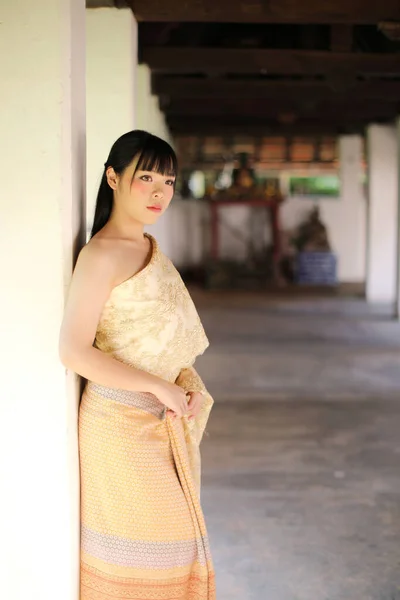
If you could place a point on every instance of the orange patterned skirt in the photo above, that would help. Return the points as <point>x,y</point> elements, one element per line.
<point>143,535</point>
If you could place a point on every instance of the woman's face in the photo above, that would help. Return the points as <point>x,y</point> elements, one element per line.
<point>142,196</point>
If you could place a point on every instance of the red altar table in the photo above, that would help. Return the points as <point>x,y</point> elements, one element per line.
<point>271,203</point>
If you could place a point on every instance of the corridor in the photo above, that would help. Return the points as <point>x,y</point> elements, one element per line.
<point>301,484</point>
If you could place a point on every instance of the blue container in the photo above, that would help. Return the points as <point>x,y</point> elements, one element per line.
<point>316,268</point>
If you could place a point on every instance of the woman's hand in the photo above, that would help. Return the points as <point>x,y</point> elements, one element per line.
<point>173,396</point>
<point>195,403</point>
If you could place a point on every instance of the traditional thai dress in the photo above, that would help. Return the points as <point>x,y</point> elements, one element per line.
<point>143,535</point>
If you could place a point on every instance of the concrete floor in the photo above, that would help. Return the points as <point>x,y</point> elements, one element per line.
<point>301,478</point>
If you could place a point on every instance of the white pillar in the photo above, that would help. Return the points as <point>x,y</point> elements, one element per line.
<point>42,124</point>
<point>157,124</point>
<point>352,257</point>
<point>143,95</point>
<point>397,307</point>
<point>382,214</point>
<point>111,83</point>
<point>149,116</point>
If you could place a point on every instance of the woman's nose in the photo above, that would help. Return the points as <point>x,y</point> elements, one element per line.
<point>157,193</point>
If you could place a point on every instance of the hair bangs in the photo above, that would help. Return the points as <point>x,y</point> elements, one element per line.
<point>158,157</point>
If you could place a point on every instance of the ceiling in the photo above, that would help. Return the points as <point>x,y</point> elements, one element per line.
<point>225,67</point>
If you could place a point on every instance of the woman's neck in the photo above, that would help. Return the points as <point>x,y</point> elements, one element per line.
<point>124,228</point>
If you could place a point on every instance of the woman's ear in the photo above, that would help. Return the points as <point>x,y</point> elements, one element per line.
<point>112,178</point>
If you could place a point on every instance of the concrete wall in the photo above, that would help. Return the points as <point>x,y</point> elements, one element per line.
<point>111,88</point>
<point>184,229</point>
<point>42,124</point>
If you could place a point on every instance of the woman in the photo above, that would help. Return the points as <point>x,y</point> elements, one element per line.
<point>131,329</point>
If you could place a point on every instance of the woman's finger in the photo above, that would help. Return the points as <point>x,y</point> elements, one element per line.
<point>172,414</point>
<point>192,402</point>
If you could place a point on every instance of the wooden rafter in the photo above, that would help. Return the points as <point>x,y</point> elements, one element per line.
<point>192,87</point>
<point>341,38</point>
<point>267,61</point>
<point>273,11</point>
<point>189,125</point>
<point>274,108</point>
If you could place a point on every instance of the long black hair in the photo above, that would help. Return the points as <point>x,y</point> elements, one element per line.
<point>152,153</point>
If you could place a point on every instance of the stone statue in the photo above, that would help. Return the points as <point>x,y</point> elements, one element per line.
<point>312,235</point>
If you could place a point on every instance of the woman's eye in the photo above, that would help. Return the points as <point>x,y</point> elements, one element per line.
<point>145,178</point>
<point>170,182</point>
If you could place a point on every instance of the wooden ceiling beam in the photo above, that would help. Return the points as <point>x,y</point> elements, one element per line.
<point>273,11</point>
<point>287,116</point>
<point>262,127</point>
<point>311,109</point>
<point>107,4</point>
<point>267,61</point>
<point>341,38</point>
<point>192,88</point>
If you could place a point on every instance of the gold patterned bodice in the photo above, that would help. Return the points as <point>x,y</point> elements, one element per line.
<point>150,322</point>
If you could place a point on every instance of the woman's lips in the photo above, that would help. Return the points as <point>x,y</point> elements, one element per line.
<point>157,209</point>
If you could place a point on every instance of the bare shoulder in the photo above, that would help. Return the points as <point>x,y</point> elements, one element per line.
<point>112,260</point>
<point>98,256</point>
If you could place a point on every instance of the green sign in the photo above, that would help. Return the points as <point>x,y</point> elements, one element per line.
<point>321,185</point>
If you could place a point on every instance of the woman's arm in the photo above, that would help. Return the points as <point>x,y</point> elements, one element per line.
<point>91,285</point>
